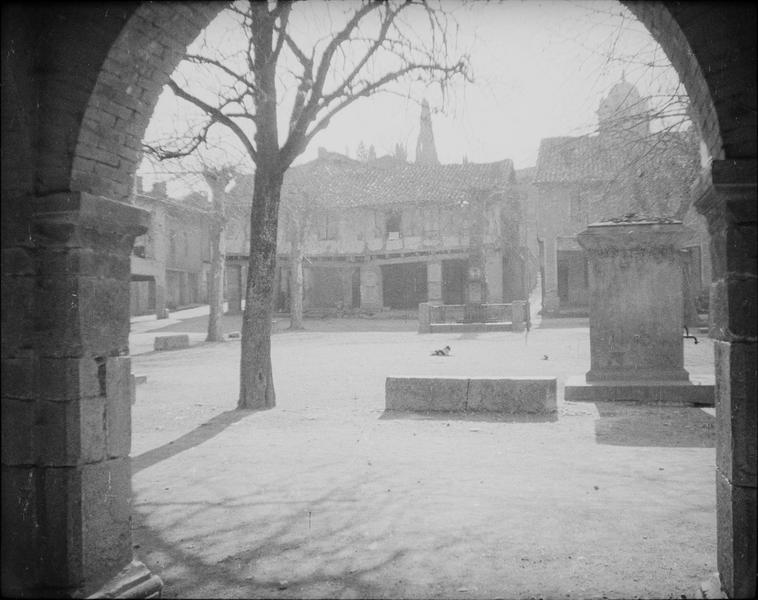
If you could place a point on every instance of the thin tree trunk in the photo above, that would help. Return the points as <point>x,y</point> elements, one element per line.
<point>296,279</point>
<point>216,288</point>
<point>256,379</point>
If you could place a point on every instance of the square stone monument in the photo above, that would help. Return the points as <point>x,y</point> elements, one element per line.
<point>637,315</point>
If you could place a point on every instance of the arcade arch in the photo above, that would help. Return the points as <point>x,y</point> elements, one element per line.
<point>79,87</point>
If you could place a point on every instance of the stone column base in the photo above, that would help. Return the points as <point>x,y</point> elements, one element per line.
<point>710,589</point>
<point>698,392</point>
<point>134,581</point>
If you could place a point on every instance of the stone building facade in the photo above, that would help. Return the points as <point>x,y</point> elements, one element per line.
<point>171,261</point>
<point>625,168</point>
<point>388,235</point>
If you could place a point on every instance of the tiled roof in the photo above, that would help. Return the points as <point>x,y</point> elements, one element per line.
<point>336,181</point>
<point>603,159</point>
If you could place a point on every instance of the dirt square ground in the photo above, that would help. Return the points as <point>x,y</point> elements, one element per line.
<point>328,496</point>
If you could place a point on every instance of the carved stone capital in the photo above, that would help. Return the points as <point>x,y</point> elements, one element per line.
<point>728,191</point>
<point>79,219</point>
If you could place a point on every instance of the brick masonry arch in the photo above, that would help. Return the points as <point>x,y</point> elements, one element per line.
<point>139,63</point>
<point>80,82</point>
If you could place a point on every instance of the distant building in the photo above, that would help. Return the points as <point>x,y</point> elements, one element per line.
<point>388,234</point>
<point>170,262</point>
<point>623,169</point>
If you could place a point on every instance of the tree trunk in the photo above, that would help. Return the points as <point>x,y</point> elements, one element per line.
<point>256,380</point>
<point>216,287</point>
<point>296,281</point>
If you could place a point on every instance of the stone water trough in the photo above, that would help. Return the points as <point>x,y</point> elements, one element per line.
<point>510,395</point>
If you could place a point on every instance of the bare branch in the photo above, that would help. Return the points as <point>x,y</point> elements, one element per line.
<point>216,115</point>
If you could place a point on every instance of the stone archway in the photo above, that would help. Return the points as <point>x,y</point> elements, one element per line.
<point>79,86</point>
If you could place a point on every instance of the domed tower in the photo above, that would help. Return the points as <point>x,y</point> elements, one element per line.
<point>426,152</point>
<point>623,111</point>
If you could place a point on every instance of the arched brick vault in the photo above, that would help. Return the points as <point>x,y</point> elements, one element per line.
<point>80,83</point>
<point>137,67</point>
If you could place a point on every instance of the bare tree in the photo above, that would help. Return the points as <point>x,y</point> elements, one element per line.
<point>218,180</point>
<point>202,165</point>
<point>340,53</point>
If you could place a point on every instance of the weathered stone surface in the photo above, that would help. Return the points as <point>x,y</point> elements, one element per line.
<point>105,528</point>
<point>513,395</point>
<point>171,342</point>
<point>70,433</point>
<point>408,393</point>
<point>449,394</point>
<point>18,378</point>
<point>736,540</point>
<point>17,421</point>
<point>19,531</point>
<point>636,303</point>
<point>118,419</point>
<point>64,379</point>
<point>675,393</point>
<point>737,412</point>
<point>506,395</point>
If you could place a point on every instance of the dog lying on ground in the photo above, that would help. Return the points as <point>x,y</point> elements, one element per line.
<point>443,352</point>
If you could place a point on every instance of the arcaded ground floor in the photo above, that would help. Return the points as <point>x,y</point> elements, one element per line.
<point>329,496</point>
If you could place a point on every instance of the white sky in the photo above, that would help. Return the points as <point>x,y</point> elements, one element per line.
<point>540,69</point>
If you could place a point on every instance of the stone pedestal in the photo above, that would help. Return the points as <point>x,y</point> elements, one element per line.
<point>636,312</point>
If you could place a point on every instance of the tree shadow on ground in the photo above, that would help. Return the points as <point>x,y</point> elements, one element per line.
<point>489,417</point>
<point>274,555</point>
<point>202,433</point>
<point>631,424</point>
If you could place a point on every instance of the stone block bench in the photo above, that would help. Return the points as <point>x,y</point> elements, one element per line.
<point>512,395</point>
<point>171,342</point>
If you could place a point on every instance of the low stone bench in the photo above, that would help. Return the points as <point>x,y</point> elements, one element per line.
<point>171,342</point>
<point>512,395</point>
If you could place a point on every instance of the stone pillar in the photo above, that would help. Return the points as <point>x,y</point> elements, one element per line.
<point>161,311</point>
<point>728,200</point>
<point>66,391</point>
<point>493,275</point>
<point>550,301</point>
<point>371,287</point>
<point>518,315</point>
<point>434,281</point>
<point>636,304</point>
<point>424,317</point>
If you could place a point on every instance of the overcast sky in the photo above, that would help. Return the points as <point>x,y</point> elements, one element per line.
<point>540,70</point>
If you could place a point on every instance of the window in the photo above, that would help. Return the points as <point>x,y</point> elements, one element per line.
<point>172,244</point>
<point>394,219</point>
<point>327,226</point>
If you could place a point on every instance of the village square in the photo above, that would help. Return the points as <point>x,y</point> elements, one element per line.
<point>379,300</point>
